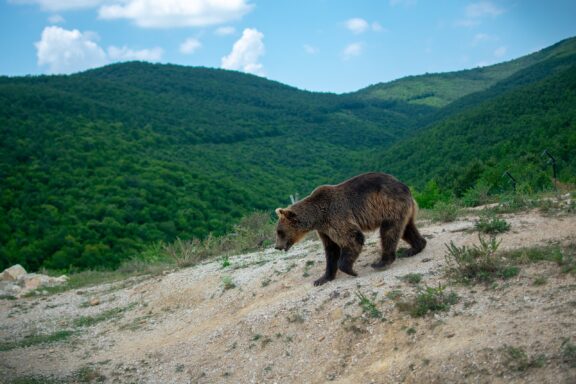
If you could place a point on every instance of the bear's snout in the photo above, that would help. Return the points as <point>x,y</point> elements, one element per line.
<point>284,247</point>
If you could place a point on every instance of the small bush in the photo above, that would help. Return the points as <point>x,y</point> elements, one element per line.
<point>516,358</point>
<point>491,225</point>
<point>479,263</point>
<point>429,300</point>
<point>477,195</point>
<point>394,295</point>
<point>444,212</point>
<point>569,353</point>
<point>412,278</point>
<point>368,306</point>
<point>225,261</point>
<point>228,283</point>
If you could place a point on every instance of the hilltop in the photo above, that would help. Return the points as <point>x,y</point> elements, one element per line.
<point>258,318</point>
<point>97,166</point>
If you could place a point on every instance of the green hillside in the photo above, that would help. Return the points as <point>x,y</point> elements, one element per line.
<point>505,128</point>
<point>95,166</point>
<point>441,89</point>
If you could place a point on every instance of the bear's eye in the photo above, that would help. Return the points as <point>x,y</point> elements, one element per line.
<point>280,233</point>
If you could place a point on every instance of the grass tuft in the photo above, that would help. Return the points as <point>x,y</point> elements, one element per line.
<point>516,358</point>
<point>368,306</point>
<point>228,283</point>
<point>253,232</point>
<point>569,353</point>
<point>429,300</point>
<point>412,278</point>
<point>31,340</point>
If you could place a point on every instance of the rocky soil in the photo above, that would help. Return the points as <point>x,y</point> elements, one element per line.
<point>260,320</point>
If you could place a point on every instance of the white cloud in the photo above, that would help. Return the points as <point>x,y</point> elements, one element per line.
<point>225,31</point>
<point>357,25</point>
<point>246,53</point>
<point>352,50</point>
<point>476,12</point>
<point>482,9</point>
<point>190,45</point>
<point>480,38</point>
<point>60,5</point>
<point>67,51</point>
<point>310,49</point>
<point>55,19</point>
<point>500,52</point>
<point>176,13</point>
<point>64,51</point>
<point>126,54</point>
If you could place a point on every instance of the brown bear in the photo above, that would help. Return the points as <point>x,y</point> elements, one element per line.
<point>340,213</point>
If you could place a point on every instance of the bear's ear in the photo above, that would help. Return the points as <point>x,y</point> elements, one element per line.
<point>290,215</point>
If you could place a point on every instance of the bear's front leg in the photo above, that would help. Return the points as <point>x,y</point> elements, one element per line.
<point>332,251</point>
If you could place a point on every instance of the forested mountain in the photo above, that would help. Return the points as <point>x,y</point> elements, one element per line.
<point>441,89</point>
<point>507,127</point>
<point>95,165</point>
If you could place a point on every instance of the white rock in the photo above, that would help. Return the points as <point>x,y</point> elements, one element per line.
<point>9,289</point>
<point>12,273</point>
<point>60,279</point>
<point>32,281</point>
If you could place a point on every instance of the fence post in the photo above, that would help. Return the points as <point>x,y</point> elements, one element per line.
<point>512,180</point>
<point>552,160</point>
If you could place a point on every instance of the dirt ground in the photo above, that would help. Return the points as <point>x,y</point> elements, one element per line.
<point>260,320</point>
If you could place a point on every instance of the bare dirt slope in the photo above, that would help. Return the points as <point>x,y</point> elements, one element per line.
<point>260,320</point>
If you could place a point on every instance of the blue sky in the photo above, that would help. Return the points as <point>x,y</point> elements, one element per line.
<point>319,45</point>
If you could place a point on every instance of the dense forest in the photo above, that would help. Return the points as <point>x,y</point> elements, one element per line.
<point>95,166</point>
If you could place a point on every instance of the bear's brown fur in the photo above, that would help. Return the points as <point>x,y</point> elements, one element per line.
<point>340,213</point>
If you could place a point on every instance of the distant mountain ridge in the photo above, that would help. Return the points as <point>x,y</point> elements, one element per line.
<point>440,89</point>
<point>95,166</point>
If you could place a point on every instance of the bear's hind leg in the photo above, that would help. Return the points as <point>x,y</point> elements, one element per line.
<point>414,238</point>
<point>351,252</point>
<point>332,251</point>
<point>390,233</point>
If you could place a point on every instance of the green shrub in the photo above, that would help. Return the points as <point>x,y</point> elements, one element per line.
<point>368,306</point>
<point>492,225</point>
<point>412,278</point>
<point>429,300</point>
<point>228,283</point>
<point>430,195</point>
<point>477,195</point>
<point>479,263</point>
<point>444,212</point>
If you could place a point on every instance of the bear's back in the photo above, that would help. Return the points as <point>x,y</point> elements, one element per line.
<point>368,183</point>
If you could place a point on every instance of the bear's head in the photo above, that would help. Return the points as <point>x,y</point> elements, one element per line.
<point>288,229</point>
